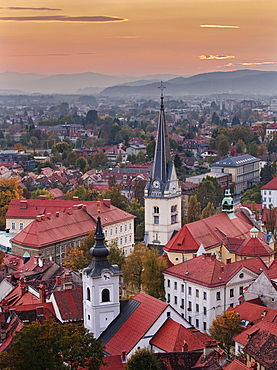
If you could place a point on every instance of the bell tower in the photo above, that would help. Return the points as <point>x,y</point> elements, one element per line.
<point>162,194</point>
<point>100,287</point>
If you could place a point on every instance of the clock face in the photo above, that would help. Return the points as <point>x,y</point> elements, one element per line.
<point>105,276</point>
<point>156,184</point>
<point>173,188</point>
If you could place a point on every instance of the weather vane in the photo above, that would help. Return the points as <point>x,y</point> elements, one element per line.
<point>162,87</point>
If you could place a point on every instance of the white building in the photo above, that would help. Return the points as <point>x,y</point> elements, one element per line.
<point>203,287</point>
<point>269,193</point>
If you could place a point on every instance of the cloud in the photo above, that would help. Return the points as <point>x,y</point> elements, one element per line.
<point>64,18</point>
<point>220,57</point>
<point>255,64</point>
<point>226,65</point>
<point>216,26</point>
<point>25,8</point>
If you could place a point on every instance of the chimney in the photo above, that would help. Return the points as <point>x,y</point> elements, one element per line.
<point>57,214</point>
<point>48,215</point>
<point>222,269</point>
<point>75,198</point>
<point>42,293</point>
<point>7,230</point>
<point>84,207</point>
<point>194,255</point>
<point>185,347</point>
<point>107,202</point>
<point>68,281</point>
<point>38,218</point>
<point>22,284</point>
<point>228,261</point>
<point>42,197</point>
<point>40,311</point>
<point>58,280</point>
<point>40,262</point>
<point>70,211</point>
<point>36,260</point>
<point>42,217</point>
<point>23,204</point>
<point>213,257</point>
<point>123,357</point>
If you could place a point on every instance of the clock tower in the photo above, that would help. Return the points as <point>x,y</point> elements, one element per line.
<point>162,194</point>
<point>100,287</point>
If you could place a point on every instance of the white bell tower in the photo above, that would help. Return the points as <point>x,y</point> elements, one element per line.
<point>100,287</point>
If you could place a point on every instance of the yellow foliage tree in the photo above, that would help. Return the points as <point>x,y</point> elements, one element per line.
<point>9,189</point>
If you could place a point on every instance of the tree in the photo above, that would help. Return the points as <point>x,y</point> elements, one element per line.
<point>9,189</point>
<point>82,163</point>
<point>208,211</point>
<point>194,209</point>
<point>209,190</point>
<point>83,194</point>
<point>224,328</point>
<point>79,257</point>
<point>223,147</point>
<point>50,345</point>
<point>117,199</point>
<point>143,359</point>
<point>38,192</point>
<point>252,195</point>
<point>253,149</point>
<point>271,218</point>
<point>133,267</point>
<point>152,279</point>
<point>116,257</point>
<point>92,116</point>
<point>240,147</point>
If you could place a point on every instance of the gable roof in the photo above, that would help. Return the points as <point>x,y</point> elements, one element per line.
<point>70,303</point>
<point>75,223</point>
<point>236,365</point>
<point>210,232</point>
<point>253,312</point>
<point>271,185</point>
<point>208,271</point>
<point>262,325</point>
<point>254,247</point>
<point>135,319</point>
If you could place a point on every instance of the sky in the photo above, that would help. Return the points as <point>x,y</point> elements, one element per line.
<point>137,37</point>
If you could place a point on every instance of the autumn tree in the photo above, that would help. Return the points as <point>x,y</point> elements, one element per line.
<point>116,257</point>
<point>143,359</point>
<point>117,199</point>
<point>83,194</point>
<point>50,345</point>
<point>152,278</point>
<point>208,211</point>
<point>133,268</point>
<point>224,328</point>
<point>82,163</point>
<point>194,209</point>
<point>38,192</point>
<point>79,257</point>
<point>9,189</point>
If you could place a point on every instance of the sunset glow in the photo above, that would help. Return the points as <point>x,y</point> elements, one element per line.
<point>181,37</point>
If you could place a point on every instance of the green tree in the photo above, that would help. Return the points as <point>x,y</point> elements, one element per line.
<point>252,195</point>
<point>38,192</point>
<point>9,189</point>
<point>268,172</point>
<point>152,279</point>
<point>133,268</point>
<point>224,328</point>
<point>194,209</point>
<point>50,345</point>
<point>209,190</point>
<point>271,218</point>
<point>92,116</point>
<point>82,163</point>
<point>223,147</point>
<point>116,257</point>
<point>240,146</point>
<point>143,359</point>
<point>208,211</point>
<point>253,149</point>
<point>117,199</point>
<point>83,194</point>
<point>79,257</point>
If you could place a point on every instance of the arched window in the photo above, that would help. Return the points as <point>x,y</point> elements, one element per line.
<point>156,210</point>
<point>105,295</point>
<point>88,294</point>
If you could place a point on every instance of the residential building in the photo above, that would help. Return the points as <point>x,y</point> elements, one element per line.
<point>224,179</point>
<point>53,235</point>
<point>162,194</point>
<point>269,193</point>
<point>21,158</point>
<point>136,148</point>
<point>203,287</point>
<point>245,170</point>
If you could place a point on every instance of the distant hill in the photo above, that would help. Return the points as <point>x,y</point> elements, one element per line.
<point>82,83</point>
<point>247,82</point>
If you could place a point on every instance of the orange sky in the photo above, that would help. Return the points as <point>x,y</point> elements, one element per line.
<point>137,37</point>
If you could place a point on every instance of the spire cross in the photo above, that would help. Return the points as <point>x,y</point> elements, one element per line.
<point>162,87</point>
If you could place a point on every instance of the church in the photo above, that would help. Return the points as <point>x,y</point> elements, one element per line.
<point>162,194</point>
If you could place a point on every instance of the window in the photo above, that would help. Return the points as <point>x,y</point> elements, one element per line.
<point>204,310</point>
<point>231,304</point>
<point>182,303</point>
<point>269,200</point>
<point>218,296</point>
<point>168,283</point>
<point>269,193</point>
<point>130,238</point>
<point>265,200</point>
<point>168,298</point>
<point>156,220</point>
<point>125,227</point>
<point>156,210</point>
<point>182,288</point>
<point>175,285</point>
<point>189,290</point>
<point>121,229</point>
<point>197,307</point>
<point>13,225</point>
<point>173,219</point>
<point>231,293</point>
<point>105,295</point>
<point>204,295</point>
<point>116,230</point>
<point>125,239</point>
<point>130,226</point>
<point>190,319</point>
<point>88,294</point>
<point>197,293</point>
<point>120,241</point>
<point>21,226</point>
<point>168,314</point>
<point>241,290</point>
<point>197,323</point>
<point>204,325</point>
<point>88,317</point>
<point>175,299</point>
<point>190,305</point>
<point>111,231</point>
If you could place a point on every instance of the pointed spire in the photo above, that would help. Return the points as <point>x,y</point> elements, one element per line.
<point>99,249</point>
<point>162,152</point>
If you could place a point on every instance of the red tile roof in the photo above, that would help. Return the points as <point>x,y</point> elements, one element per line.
<point>73,224</point>
<point>254,313</point>
<point>236,365</point>
<point>254,247</point>
<point>70,303</point>
<point>271,185</point>
<point>207,271</point>
<point>137,325</point>
<point>210,232</point>
<point>172,336</point>
<point>263,325</point>
<point>113,363</point>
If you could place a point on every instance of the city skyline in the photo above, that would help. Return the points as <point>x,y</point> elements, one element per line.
<point>180,37</point>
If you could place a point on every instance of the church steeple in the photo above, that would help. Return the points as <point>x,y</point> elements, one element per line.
<point>162,151</point>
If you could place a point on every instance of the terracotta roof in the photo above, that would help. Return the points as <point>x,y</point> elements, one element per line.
<point>172,337</point>
<point>253,312</point>
<point>113,363</point>
<point>271,185</point>
<point>236,365</point>
<point>254,247</point>
<point>207,271</point>
<point>70,303</point>
<point>73,224</point>
<point>132,328</point>
<point>210,232</point>
<point>263,325</point>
